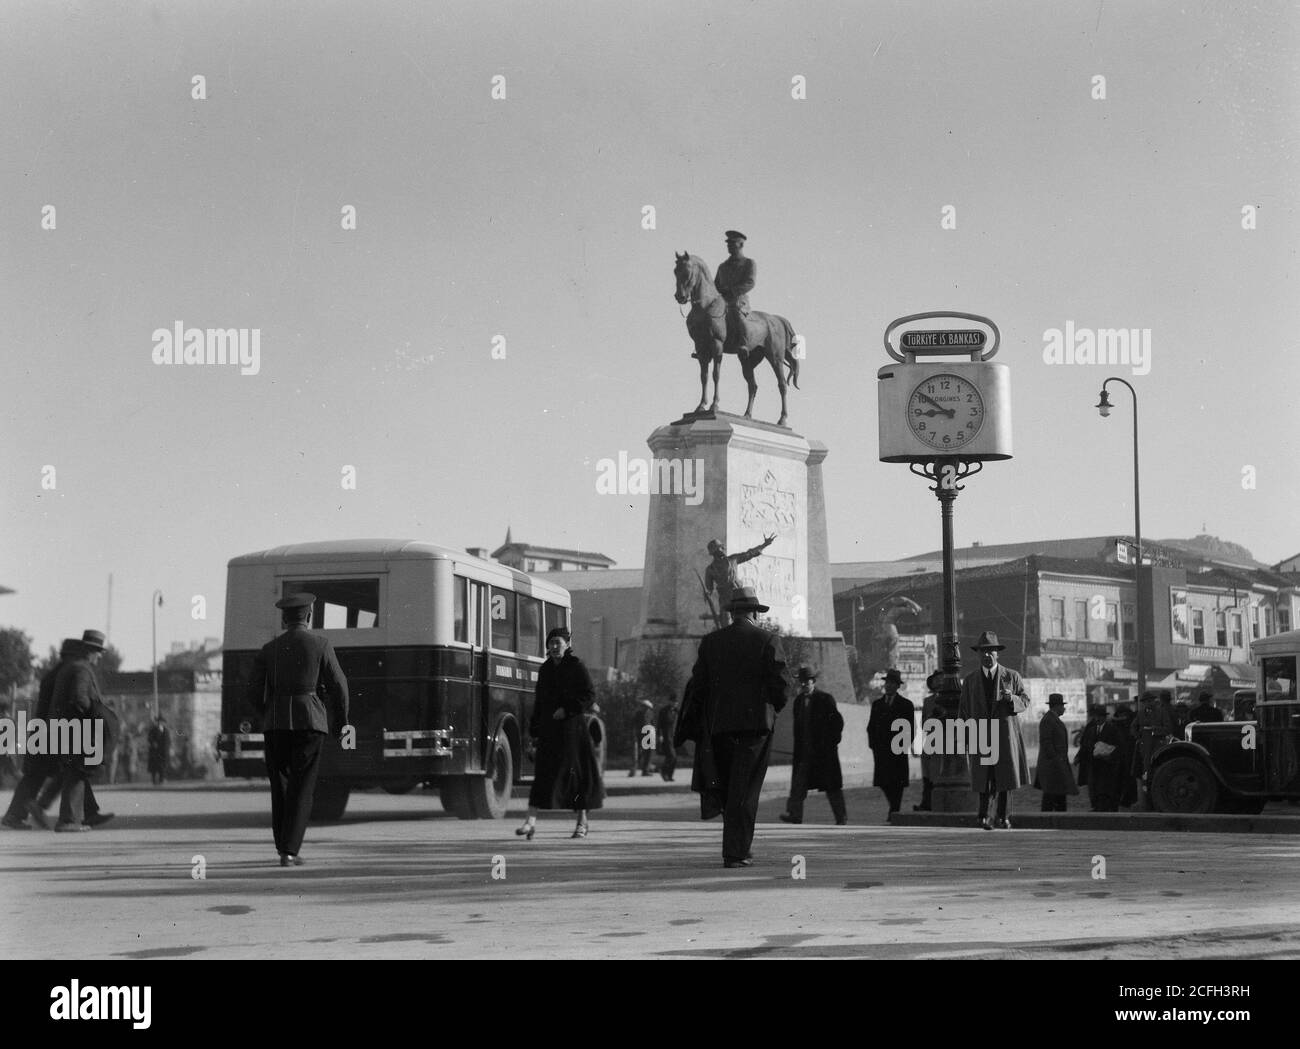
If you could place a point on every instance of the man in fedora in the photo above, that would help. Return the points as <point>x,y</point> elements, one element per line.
<point>1054,777</point>
<point>818,726</point>
<point>931,764</point>
<point>289,673</point>
<point>740,681</point>
<point>892,769</point>
<point>995,694</point>
<point>734,281</point>
<point>76,695</point>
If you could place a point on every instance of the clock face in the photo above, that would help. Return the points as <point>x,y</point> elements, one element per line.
<point>945,412</point>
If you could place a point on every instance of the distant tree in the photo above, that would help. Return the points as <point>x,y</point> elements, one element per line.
<point>15,658</point>
<point>47,664</point>
<point>659,675</point>
<point>110,662</point>
<point>191,659</point>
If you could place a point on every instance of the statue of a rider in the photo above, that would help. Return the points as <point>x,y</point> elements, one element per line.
<point>735,280</point>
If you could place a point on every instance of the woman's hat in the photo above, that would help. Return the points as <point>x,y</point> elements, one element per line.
<point>744,599</point>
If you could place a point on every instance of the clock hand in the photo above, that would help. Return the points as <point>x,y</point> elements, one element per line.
<point>941,410</point>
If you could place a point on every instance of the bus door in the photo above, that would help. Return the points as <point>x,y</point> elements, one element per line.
<point>478,639</point>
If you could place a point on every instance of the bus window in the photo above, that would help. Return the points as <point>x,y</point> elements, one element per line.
<point>477,610</point>
<point>341,604</point>
<point>1279,677</point>
<point>556,615</point>
<point>503,619</point>
<point>460,607</point>
<point>530,626</point>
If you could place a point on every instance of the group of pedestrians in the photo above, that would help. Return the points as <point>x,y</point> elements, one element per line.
<point>69,690</point>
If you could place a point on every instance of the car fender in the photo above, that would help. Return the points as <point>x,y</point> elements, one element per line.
<point>1182,748</point>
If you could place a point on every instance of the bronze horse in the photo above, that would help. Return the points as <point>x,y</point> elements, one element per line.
<point>765,336</point>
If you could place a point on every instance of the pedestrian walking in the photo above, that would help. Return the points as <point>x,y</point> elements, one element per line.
<point>818,727</point>
<point>892,768</point>
<point>643,744</point>
<point>1054,777</point>
<point>1154,723</point>
<point>995,695</point>
<point>76,695</point>
<point>567,772</point>
<point>160,750</point>
<point>1112,782</point>
<point>665,729</point>
<point>288,677</point>
<point>739,684</point>
<point>931,764</point>
<point>1084,759</point>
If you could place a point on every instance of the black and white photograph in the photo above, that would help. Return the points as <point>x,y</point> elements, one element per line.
<point>572,481</point>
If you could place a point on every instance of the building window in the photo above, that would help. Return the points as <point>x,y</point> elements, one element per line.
<point>1058,617</point>
<point>1198,626</point>
<point>1238,641</point>
<point>1112,621</point>
<point>1268,620</point>
<point>1254,622</point>
<point>530,626</point>
<point>1081,620</point>
<point>1283,618</point>
<point>1221,629</point>
<point>1130,622</point>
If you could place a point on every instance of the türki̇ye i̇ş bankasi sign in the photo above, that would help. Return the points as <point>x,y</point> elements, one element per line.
<point>938,340</point>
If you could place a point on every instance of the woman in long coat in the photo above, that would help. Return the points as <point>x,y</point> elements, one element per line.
<point>567,769</point>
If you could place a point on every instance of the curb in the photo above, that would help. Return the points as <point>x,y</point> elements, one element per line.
<point>1211,823</point>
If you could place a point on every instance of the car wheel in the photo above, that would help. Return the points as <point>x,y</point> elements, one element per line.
<point>454,792</point>
<point>1183,785</point>
<point>490,793</point>
<point>329,801</point>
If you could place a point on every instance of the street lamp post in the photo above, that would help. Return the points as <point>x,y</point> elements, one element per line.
<point>1103,407</point>
<point>155,603</point>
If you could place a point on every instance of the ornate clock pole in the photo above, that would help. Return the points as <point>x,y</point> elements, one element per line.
<point>945,420</point>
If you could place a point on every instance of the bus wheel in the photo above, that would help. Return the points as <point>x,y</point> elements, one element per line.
<point>1183,785</point>
<point>454,792</point>
<point>491,793</point>
<point>329,801</point>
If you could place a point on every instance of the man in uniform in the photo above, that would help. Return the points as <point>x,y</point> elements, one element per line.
<point>721,572</point>
<point>995,694</point>
<point>288,675</point>
<point>818,726</point>
<point>735,280</point>
<point>740,681</point>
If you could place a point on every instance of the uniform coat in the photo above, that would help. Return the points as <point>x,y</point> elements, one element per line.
<point>892,770</point>
<point>288,675</point>
<point>818,747</point>
<point>735,280</point>
<point>1054,775</point>
<point>1012,769</point>
<point>566,774</point>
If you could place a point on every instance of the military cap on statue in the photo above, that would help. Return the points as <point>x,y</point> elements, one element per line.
<point>296,601</point>
<point>735,234</point>
<point>93,639</point>
<point>988,639</point>
<point>744,599</point>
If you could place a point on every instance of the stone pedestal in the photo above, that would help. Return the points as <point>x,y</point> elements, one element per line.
<point>751,479</point>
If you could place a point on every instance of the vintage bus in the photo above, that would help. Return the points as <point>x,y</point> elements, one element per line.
<point>441,652</point>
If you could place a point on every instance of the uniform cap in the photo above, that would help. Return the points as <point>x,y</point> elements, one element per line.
<point>300,600</point>
<point>735,234</point>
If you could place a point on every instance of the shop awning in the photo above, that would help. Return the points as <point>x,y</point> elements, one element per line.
<point>1239,675</point>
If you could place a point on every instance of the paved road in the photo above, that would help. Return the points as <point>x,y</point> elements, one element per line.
<point>397,878</point>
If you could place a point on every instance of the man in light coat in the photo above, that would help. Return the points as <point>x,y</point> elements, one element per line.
<point>996,696</point>
<point>1054,776</point>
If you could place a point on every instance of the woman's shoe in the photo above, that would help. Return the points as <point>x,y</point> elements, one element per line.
<point>527,830</point>
<point>580,831</point>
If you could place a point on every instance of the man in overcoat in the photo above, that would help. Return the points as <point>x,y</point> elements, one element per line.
<point>995,695</point>
<point>740,681</point>
<point>891,768</point>
<point>76,696</point>
<point>818,726</point>
<point>1112,782</point>
<point>289,674</point>
<point>1205,710</point>
<point>1054,777</point>
<point>1084,759</point>
<point>931,764</point>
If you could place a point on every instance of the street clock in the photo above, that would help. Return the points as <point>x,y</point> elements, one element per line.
<point>944,408</point>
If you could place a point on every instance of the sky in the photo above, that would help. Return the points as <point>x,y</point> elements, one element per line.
<point>523,218</point>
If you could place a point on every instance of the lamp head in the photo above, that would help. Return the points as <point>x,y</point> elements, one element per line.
<point>1103,406</point>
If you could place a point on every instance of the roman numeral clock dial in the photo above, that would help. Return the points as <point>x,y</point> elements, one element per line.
<point>945,412</point>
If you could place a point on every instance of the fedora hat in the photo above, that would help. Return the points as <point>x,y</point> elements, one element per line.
<point>807,673</point>
<point>1055,700</point>
<point>744,599</point>
<point>988,639</point>
<point>892,674</point>
<point>94,639</point>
